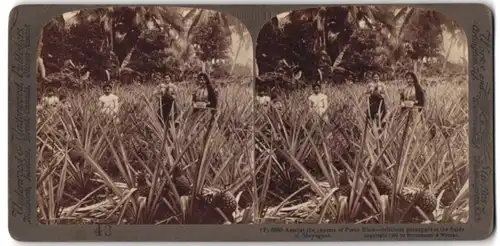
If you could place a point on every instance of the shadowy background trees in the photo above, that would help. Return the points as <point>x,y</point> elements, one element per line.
<point>338,44</point>
<point>135,44</point>
<point>342,44</point>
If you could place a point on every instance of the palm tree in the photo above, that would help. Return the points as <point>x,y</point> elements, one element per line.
<point>457,39</point>
<point>404,18</point>
<point>359,17</point>
<point>179,23</point>
<point>195,18</point>
<point>244,37</point>
<point>125,25</point>
<point>327,34</point>
<point>394,24</point>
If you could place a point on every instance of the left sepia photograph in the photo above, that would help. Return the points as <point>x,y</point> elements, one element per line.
<point>144,116</point>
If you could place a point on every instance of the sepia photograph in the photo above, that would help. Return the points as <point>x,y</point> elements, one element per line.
<point>361,117</point>
<point>144,116</point>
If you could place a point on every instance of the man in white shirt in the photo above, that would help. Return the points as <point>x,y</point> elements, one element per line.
<point>319,102</point>
<point>109,102</point>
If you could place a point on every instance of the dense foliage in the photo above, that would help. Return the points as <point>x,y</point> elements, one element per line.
<point>214,41</point>
<point>359,41</point>
<point>131,44</point>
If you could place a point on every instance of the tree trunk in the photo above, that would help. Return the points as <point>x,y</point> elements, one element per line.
<point>240,44</point>
<point>111,35</point>
<point>41,68</point>
<point>448,52</point>
<point>39,61</point>
<point>204,67</point>
<point>40,44</point>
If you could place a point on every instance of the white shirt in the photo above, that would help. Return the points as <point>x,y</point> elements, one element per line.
<point>319,102</point>
<point>109,104</point>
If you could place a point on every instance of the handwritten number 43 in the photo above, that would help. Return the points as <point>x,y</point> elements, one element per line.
<point>103,230</point>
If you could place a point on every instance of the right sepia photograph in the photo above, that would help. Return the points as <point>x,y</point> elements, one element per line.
<point>361,117</point>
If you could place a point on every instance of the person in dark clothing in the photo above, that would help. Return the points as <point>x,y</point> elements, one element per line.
<point>377,109</point>
<point>206,96</point>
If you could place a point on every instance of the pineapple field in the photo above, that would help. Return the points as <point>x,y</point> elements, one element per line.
<point>136,171</point>
<point>253,164</point>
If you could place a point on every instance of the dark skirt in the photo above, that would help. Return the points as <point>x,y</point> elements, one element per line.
<point>167,110</point>
<point>377,109</point>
